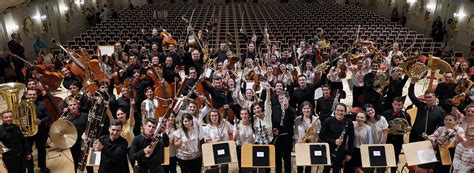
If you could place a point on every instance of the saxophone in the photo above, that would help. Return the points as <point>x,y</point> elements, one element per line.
<point>307,136</point>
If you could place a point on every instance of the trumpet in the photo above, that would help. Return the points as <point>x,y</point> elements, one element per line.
<point>321,68</point>
<point>3,149</point>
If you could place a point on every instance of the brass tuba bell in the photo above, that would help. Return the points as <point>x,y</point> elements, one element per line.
<point>24,111</point>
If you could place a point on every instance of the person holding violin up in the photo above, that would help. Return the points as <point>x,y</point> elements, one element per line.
<point>445,91</point>
<point>154,38</point>
<point>220,97</point>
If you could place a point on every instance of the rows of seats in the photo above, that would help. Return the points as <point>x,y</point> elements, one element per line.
<point>287,25</point>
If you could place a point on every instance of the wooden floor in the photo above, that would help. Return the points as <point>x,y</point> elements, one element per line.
<point>61,161</point>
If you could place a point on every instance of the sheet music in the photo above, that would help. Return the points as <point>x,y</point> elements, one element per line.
<point>109,50</point>
<point>426,156</point>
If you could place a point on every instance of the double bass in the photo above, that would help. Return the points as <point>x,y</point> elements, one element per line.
<point>165,95</point>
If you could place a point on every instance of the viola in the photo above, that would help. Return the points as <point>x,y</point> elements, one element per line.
<point>231,62</point>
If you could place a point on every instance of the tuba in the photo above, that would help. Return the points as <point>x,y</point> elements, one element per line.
<point>24,111</point>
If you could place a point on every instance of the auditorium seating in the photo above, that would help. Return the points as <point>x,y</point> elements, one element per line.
<point>287,25</point>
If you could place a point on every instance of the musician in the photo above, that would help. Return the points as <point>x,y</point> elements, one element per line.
<point>463,161</point>
<point>221,54</point>
<point>123,101</point>
<point>43,129</point>
<point>302,125</point>
<point>446,137</point>
<point>12,138</point>
<point>283,117</point>
<point>308,55</point>
<point>16,48</point>
<point>251,53</point>
<point>302,92</point>
<point>284,75</point>
<point>243,133</point>
<point>113,150</point>
<point>155,38</point>
<point>370,95</point>
<point>363,135</point>
<point>309,72</point>
<point>133,65</point>
<point>79,119</point>
<point>335,76</point>
<point>395,51</point>
<point>286,58</point>
<point>338,131</point>
<point>193,59</point>
<point>445,91</point>
<point>188,145</point>
<point>262,117</point>
<point>217,130</point>
<point>358,72</point>
<point>170,74</point>
<point>318,37</point>
<point>468,119</point>
<point>170,128</point>
<point>192,80</point>
<point>324,104</point>
<point>82,98</point>
<point>395,136</point>
<point>279,89</point>
<point>149,105</point>
<point>395,88</point>
<point>220,97</point>
<point>141,146</point>
<point>333,54</point>
<point>254,39</point>
<point>69,78</point>
<point>428,116</point>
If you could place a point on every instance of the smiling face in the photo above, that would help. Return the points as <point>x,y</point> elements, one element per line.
<point>340,112</point>
<point>361,117</point>
<point>149,128</point>
<point>307,110</point>
<point>449,121</point>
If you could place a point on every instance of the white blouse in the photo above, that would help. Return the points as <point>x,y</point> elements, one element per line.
<point>377,129</point>
<point>245,134</point>
<point>189,148</point>
<point>217,133</point>
<point>302,125</point>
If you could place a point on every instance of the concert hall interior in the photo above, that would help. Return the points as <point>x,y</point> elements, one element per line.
<point>236,86</point>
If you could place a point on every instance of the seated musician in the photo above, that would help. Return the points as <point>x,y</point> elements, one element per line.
<point>338,131</point>
<point>113,150</point>
<point>147,148</point>
<point>12,138</point>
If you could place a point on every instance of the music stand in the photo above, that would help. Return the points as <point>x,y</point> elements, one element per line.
<point>378,156</point>
<point>418,153</point>
<point>166,156</point>
<point>312,154</point>
<point>219,153</point>
<point>258,156</point>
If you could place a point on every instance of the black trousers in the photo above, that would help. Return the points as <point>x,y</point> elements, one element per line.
<point>397,142</point>
<point>283,147</point>
<point>158,169</point>
<point>248,170</point>
<point>39,140</point>
<point>305,169</point>
<point>15,163</point>
<point>190,166</point>
<point>171,168</point>
<point>356,96</point>
<point>337,159</point>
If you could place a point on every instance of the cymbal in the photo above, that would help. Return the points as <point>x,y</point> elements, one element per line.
<point>63,134</point>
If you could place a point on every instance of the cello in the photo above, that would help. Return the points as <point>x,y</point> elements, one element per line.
<point>227,113</point>
<point>165,94</point>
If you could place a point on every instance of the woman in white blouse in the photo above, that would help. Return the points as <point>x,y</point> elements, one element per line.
<point>358,72</point>
<point>284,76</point>
<point>302,125</point>
<point>309,72</point>
<point>263,120</point>
<point>217,130</point>
<point>378,125</point>
<point>363,135</point>
<point>186,140</point>
<point>243,132</point>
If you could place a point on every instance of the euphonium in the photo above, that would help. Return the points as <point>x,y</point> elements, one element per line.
<point>24,111</point>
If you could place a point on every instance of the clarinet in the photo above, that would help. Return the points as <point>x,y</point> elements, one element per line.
<point>341,137</point>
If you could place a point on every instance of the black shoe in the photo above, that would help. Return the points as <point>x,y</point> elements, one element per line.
<point>45,170</point>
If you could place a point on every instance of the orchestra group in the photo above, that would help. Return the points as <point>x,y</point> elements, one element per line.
<point>279,96</point>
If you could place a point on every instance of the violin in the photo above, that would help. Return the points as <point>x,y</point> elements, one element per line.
<point>130,83</point>
<point>231,62</point>
<point>227,113</point>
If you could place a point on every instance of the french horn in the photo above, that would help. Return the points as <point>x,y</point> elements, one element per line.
<point>397,126</point>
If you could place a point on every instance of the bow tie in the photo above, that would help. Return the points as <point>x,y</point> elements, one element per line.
<point>8,126</point>
<point>148,137</point>
<point>75,114</point>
